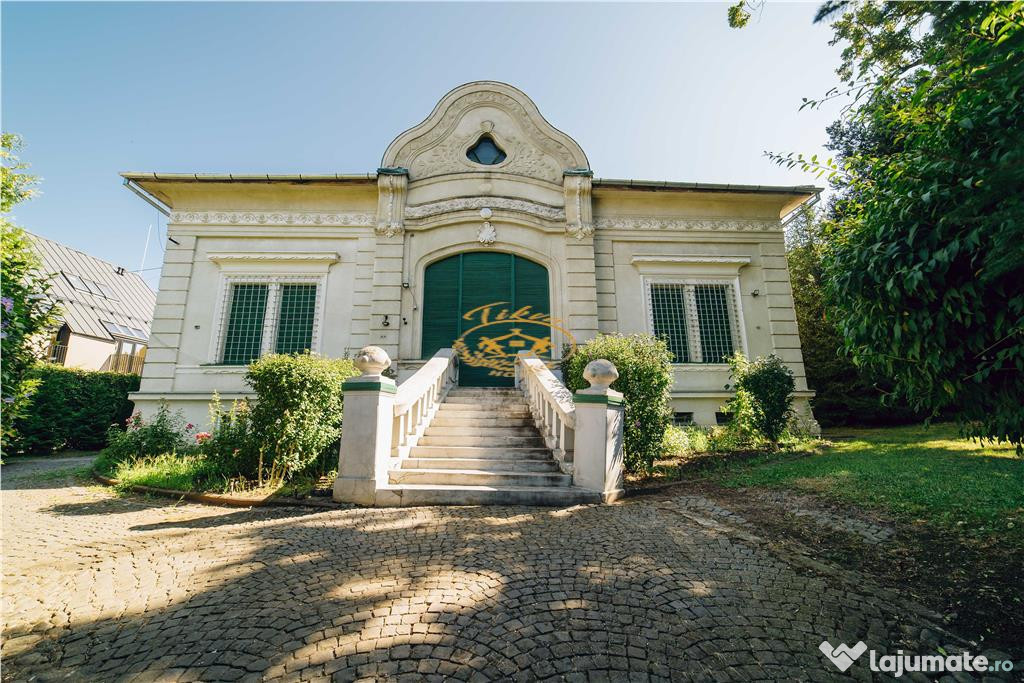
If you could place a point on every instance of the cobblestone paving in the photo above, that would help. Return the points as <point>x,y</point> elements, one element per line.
<point>102,588</point>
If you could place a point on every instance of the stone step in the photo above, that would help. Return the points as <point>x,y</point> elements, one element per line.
<point>445,477</point>
<point>484,391</point>
<point>476,410</point>
<point>449,430</point>
<point>489,465</point>
<point>479,452</point>
<point>485,400</point>
<point>447,420</point>
<point>489,441</point>
<point>546,496</point>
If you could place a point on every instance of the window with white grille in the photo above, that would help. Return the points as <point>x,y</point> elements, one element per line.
<point>698,320</point>
<point>268,316</point>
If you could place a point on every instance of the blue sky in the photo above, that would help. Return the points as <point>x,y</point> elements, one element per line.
<point>651,91</point>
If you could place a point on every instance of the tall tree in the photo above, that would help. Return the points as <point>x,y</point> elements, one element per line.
<point>25,310</point>
<point>923,257</point>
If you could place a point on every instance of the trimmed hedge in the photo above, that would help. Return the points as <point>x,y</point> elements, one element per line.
<point>73,408</point>
<point>645,380</point>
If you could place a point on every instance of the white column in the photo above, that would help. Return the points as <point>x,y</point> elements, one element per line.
<point>597,462</point>
<point>366,429</point>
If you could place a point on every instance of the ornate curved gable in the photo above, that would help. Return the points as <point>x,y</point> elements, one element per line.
<point>485,126</point>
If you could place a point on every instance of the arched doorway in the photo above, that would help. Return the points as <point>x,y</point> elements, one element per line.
<point>488,306</point>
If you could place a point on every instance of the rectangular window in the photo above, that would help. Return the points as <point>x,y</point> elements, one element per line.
<point>713,319</point>
<point>682,419</point>
<point>669,317</point>
<point>295,318</point>
<point>697,320</point>
<point>244,336</point>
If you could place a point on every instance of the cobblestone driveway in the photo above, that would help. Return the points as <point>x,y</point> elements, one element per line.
<point>102,588</point>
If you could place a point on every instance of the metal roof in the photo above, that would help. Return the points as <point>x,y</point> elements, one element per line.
<point>122,299</point>
<point>616,183</point>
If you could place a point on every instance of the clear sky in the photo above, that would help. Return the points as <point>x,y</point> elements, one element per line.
<point>650,91</point>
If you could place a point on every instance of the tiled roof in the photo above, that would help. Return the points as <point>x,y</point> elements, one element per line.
<point>85,312</point>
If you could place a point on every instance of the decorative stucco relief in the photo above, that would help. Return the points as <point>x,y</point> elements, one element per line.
<point>533,147</point>
<point>270,218</point>
<point>474,203</point>
<point>687,224</point>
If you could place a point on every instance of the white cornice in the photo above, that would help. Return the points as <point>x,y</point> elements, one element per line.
<point>689,259</point>
<point>271,218</point>
<point>323,257</point>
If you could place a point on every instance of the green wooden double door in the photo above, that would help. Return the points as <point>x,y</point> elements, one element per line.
<point>488,306</point>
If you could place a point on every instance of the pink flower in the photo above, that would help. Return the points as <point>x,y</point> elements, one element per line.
<point>202,437</point>
<point>189,426</point>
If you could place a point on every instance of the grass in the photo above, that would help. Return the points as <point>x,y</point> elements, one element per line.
<point>918,474</point>
<point>168,471</point>
<point>194,474</point>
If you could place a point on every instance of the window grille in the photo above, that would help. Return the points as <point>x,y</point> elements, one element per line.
<point>244,336</point>
<point>716,342</point>
<point>668,312</point>
<point>295,318</point>
<point>697,320</point>
<point>682,419</point>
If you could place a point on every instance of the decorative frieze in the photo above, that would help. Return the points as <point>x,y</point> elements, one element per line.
<point>687,224</point>
<point>550,213</point>
<point>270,218</point>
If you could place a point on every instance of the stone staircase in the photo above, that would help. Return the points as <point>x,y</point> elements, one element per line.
<point>482,448</point>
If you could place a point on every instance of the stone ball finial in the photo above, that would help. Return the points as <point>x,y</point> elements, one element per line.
<point>600,373</point>
<point>372,360</point>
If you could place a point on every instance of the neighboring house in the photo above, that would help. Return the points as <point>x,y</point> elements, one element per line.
<point>483,230</point>
<point>105,311</point>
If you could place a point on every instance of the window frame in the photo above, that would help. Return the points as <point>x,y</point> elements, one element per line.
<point>693,341</point>
<point>271,317</point>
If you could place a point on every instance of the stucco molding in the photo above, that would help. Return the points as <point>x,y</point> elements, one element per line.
<point>438,145</point>
<point>687,259</point>
<point>578,206</point>
<point>271,218</point>
<point>320,257</point>
<point>550,213</point>
<point>663,223</point>
<point>391,203</point>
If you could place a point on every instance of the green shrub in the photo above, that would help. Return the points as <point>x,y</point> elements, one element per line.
<point>297,413</point>
<point>167,471</point>
<point>163,433</point>
<point>645,379</point>
<point>762,405</point>
<point>230,444</point>
<point>72,408</point>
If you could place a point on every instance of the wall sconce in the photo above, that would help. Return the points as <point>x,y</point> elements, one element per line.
<point>756,293</point>
<point>405,285</point>
<point>386,323</point>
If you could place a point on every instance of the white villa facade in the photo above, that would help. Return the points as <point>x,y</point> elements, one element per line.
<point>483,230</point>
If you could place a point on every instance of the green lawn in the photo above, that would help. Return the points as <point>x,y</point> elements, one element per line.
<point>915,473</point>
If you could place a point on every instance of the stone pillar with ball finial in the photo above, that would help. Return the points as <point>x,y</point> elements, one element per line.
<point>366,429</point>
<point>598,463</point>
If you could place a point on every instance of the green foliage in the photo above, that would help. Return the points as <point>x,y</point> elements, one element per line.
<point>71,408</point>
<point>15,185</point>
<point>645,380</point>
<point>297,413</point>
<point>25,310</point>
<point>682,442</point>
<point>762,405</point>
<point>739,15</point>
<point>161,434</point>
<point>844,393</point>
<point>230,445</point>
<point>924,250</point>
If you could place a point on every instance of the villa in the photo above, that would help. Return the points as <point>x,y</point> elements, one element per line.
<point>484,230</point>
